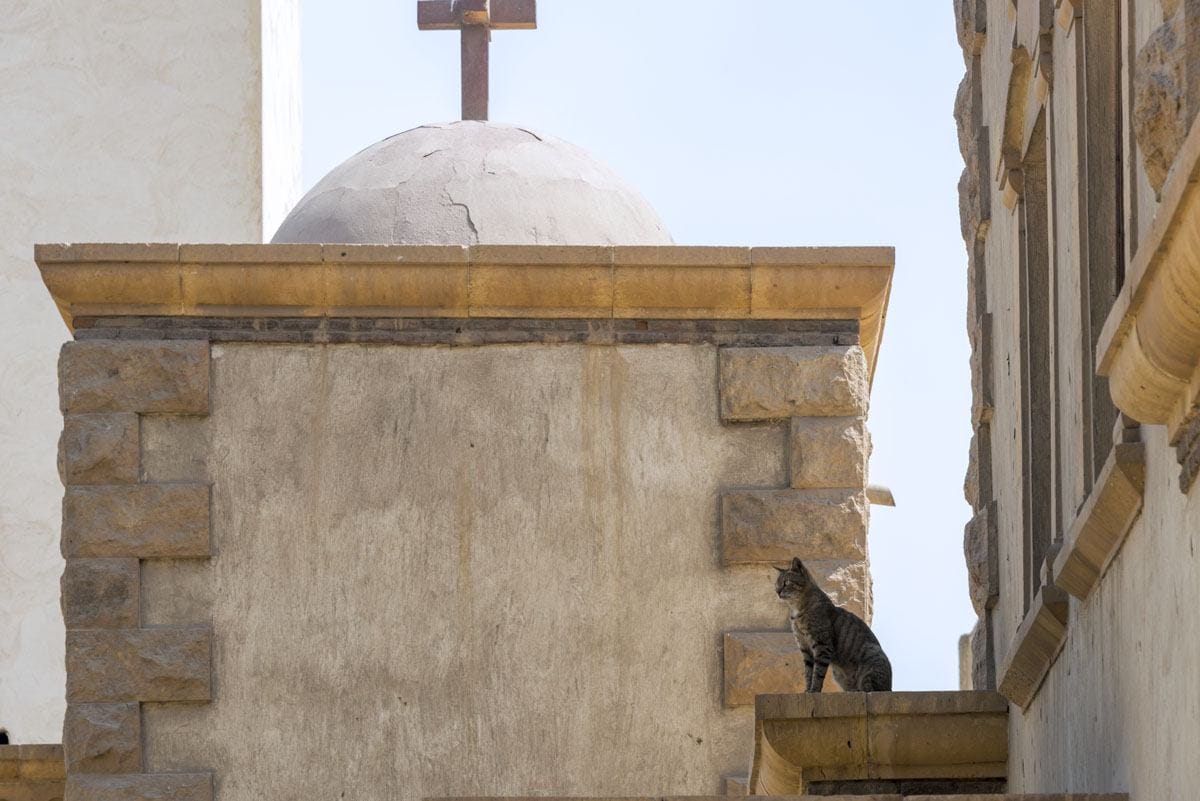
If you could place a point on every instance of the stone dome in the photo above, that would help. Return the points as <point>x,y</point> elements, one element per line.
<point>468,183</point>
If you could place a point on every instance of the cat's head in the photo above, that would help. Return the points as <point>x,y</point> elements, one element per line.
<point>792,581</point>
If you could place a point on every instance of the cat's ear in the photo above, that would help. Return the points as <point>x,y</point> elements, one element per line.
<point>796,564</point>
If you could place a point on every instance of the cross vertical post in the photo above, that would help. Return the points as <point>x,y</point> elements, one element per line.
<point>476,19</point>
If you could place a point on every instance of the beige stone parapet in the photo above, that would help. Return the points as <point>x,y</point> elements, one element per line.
<point>31,772</point>
<point>98,280</point>
<point>1150,345</point>
<point>824,737</point>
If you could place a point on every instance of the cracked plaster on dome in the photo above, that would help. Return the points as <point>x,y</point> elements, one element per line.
<point>469,183</point>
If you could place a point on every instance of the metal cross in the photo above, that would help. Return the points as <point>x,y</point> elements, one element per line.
<point>476,19</point>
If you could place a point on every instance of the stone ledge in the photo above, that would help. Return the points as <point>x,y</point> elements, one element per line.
<point>140,787</point>
<point>147,377</point>
<point>771,526</point>
<point>1111,509</point>
<point>806,738</point>
<point>162,664</point>
<point>1035,646</point>
<point>480,281</point>
<point>146,521</point>
<point>31,763</point>
<point>758,384</point>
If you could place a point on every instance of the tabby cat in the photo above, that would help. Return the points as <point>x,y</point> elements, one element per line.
<point>830,636</point>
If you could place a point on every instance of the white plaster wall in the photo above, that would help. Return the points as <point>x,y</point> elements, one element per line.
<point>129,120</point>
<point>1120,710</point>
<point>463,572</point>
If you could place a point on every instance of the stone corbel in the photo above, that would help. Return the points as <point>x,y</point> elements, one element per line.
<point>1036,645</point>
<point>1012,180</point>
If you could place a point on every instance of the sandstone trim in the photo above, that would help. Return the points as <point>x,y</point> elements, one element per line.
<point>805,738</point>
<point>481,281</point>
<point>101,593</point>
<point>829,452</point>
<point>1103,522</point>
<point>31,772</point>
<point>763,663</point>
<point>1150,345</point>
<point>1035,646</point>
<point>981,546</point>
<point>103,738</point>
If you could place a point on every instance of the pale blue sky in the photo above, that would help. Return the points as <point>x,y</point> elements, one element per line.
<point>744,122</point>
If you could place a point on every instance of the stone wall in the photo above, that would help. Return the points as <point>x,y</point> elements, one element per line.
<point>1069,118</point>
<point>168,135</point>
<point>430,571</point>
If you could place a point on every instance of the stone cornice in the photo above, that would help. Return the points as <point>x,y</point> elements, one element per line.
<point>1150,345</point>
<point>510,281</point>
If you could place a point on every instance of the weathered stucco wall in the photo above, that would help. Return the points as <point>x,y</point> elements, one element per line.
<point>135,121</point>
<point>461,571</point>
<point>1120,709</point>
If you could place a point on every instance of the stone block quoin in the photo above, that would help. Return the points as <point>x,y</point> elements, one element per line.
<point>113,519</point>
<point>822,394</point>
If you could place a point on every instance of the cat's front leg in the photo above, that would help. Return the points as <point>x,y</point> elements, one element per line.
<point>822,656</point>
<point>808,667</point>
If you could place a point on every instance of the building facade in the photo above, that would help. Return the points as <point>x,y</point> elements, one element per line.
<point>136,121</point>
<point>1078,210</point>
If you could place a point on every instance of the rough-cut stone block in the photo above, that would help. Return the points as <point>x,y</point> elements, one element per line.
<point>1163,93</point>
<point>167,664</point>
<point>1038,640</point>
<point>772,526</point>
<point>982,372</point>
<point>99,449</point>
<point>777,383</point>
<point>103,738</point>
<point>140,787</point>
<point>763,663</point>
<point>977,485</point>
<point>981,547</point>
<point>983,654</point>
<point>101,593</point>
<point>141,520</point>
<point>121,376</point>
<point>829,452</point>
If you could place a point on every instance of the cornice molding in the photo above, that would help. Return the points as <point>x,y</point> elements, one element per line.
<point>483,281</point>
<point>1150,345</point>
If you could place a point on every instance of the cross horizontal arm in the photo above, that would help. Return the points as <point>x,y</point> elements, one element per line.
<point>514,14</point>
<point>448,15</point>
<point>437,15</point>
